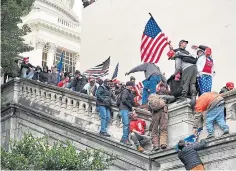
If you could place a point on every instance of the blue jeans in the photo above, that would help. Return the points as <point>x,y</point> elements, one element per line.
<point>105,116</point>
<point>125,120</point>
<point>205,83</point>
<point>216,114</point>
<point>25,75</point>
<point>150,84</point>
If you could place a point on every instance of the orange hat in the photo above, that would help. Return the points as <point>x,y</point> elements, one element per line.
<point>230,85</point>
<point>208,51</point>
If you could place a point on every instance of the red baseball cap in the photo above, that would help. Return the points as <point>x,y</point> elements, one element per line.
<point>230,85</point>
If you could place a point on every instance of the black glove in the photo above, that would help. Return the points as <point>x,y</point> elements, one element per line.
<point>126,73</point>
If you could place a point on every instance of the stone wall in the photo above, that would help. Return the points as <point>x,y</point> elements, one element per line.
<point>63,114</point>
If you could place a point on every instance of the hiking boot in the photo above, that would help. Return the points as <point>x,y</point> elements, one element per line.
<point>126,142</point>
<point>140,149</point>
<point>156,148</point>
<point>163,146</point>
<point>210,136</point>
<point>226,132</point>
<point>104,134</point>
<point>193,101</point>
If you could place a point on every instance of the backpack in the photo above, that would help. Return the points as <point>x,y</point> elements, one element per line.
<point>155,102</point>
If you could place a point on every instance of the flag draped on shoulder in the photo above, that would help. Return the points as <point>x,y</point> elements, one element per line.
<point>153,42</point>
<point>115,74</point>
<point>100,70</point>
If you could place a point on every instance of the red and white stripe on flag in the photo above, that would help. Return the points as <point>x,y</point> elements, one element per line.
<point>153,42</point>
<point>138,87</point>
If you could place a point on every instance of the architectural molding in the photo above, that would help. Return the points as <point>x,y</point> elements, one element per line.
<point>60,8</point>
<point>36,24</point>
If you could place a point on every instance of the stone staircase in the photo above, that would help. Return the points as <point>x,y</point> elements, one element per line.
<point>66,115</point>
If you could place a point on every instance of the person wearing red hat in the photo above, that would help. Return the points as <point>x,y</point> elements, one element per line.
<point>229,86</point>
<point>205,66</point>
<point>26,70</point>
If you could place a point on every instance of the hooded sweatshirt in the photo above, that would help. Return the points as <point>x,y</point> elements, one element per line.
<point>150,69</point>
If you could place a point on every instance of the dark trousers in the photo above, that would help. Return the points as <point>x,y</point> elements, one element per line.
<point>137,138</point>
<point>189,77</point>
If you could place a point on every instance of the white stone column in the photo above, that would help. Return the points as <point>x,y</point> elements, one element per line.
<point>38,53</point>
<point>77,65</point>
<point>52,47</point>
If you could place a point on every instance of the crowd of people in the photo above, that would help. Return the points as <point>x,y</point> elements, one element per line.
<point>192,77</point>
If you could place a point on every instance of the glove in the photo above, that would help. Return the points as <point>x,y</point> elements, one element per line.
<point>171,53</point>
<point>126,73</point>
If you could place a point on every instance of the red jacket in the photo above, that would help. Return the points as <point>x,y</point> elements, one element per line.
<point>138,125</point>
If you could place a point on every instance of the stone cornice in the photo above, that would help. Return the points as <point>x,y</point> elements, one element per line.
<point>72,16</point>
<point>57,28</point>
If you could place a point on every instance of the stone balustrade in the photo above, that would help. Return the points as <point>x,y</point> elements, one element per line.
<point>61,114</point>
<point>70,24</point>
<point>80,109</point>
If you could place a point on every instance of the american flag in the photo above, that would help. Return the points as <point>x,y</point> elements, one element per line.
<point>114,77</point>
<point>100,70</point>
<point>138,88</point>
<point>153,42</point>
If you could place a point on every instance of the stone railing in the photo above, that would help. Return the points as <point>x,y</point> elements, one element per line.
<point>80,109</point>
<point>70,24</point>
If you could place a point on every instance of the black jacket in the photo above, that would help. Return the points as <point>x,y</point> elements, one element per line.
<point>44,76</point>
<point>78,84</point>
<point>104,96</point>
<point>24,65</point>
<point>127,100</point>
<point>189,155</point>
<point>224,90</point>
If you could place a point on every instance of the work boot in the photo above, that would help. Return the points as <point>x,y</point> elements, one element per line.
<point>163,146</point>
<point>140,149</point>
<point>226,132</point>
<point>193,101</point>
<point>126,142</point>
<point>104,134</point>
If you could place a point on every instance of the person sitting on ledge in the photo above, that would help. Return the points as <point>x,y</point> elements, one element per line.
<point>189,156</point>
<point>211,106</point>
<point>229,86</point>
<point>137,129</point>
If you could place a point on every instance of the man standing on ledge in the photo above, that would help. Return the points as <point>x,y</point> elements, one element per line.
<point>153,76</point>
<point>189,156</point>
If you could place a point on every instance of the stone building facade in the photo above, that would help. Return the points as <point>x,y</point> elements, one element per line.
<point>55,28</point>
<point>42,109</point>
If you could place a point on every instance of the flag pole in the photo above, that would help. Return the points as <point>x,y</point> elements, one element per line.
<point>150,14</point>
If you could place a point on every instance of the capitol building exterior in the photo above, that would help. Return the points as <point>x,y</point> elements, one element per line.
<point>54,28</point>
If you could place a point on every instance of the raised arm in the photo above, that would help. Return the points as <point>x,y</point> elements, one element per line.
<point>138,68</point>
